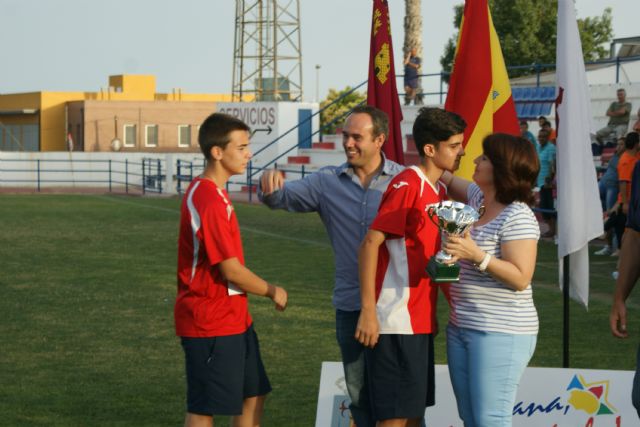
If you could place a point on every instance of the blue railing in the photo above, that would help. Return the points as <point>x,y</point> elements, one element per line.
<point>252,170</point>
<point>144,176</point>
<point>536,69</point>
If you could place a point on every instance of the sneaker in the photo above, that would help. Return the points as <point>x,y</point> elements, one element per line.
<point>615,253</point>
<point>606,250</point>
<point>615,275</point>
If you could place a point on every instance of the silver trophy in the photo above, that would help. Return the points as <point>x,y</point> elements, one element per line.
<point>453,219</point>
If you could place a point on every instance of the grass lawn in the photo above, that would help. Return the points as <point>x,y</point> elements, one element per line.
<point>88,284</point>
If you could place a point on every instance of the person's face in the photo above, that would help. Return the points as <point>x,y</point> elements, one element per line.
<point>523,128</point>
<point>414,52</point>
<point>620,146</point>
<point>541,122</point>
<point>448,153</point>
<point>483,174</point>
<point>361,148</point>
<point>236,155</point>
<point>543,138</point>
<point>621,96</point>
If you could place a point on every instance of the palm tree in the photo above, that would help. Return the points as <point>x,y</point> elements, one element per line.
<point>413,35</point>
<point>412,27</point>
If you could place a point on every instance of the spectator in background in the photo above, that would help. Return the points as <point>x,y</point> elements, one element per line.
<point>636,125</point>
<point>547,157</point>
<point>618,213</point>
<point>412,64</point>
<point>552,132</point>
<point>524,132</point>
<point>608,186</point>
<point>628,277</point>
<point>618,113</point>
<point>546,124</point>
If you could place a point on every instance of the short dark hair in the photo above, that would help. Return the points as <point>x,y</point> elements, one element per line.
<point>379,119</point>
<point>215,131</point>
<point>544,131</point>
<point>621,90</point>
<point>433,125</point>
<point>542,118</point>
<point>524,122</point>
<point>515,167</point>
<point>631,140</point>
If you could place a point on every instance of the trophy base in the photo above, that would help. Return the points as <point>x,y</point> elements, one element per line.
<point>443,273</point>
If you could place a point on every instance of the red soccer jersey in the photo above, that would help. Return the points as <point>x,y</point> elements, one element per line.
<point>405,296</point>
<point>207,305</point>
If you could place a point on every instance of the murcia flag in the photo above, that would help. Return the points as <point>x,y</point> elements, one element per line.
<point>579,208</point>
<point>381,90</point>
<point>479,87</point>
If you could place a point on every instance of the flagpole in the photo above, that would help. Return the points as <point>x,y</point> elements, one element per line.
<point>565,300</point>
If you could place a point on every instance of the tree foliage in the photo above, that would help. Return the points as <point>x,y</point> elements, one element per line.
<point>338,109</point>
<point>527,33</point>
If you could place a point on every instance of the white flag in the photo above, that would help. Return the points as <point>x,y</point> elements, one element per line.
<point>579,208</point>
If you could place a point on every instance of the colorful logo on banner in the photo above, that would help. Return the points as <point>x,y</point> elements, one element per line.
<point>591,398</point>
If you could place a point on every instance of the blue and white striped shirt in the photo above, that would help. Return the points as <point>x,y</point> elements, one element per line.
<point>479,301</point>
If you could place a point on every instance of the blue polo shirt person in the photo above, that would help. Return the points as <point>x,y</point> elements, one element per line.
<point>547,157</point>
<point>347,198</point>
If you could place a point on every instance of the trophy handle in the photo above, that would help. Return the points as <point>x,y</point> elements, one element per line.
<point>431,213</point>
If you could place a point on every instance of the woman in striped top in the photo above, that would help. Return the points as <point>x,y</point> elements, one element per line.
<point>493,323</point>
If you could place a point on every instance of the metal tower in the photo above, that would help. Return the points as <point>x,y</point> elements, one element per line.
<point>267,55</point>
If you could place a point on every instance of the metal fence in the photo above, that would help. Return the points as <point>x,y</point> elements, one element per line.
<point>124,175</point>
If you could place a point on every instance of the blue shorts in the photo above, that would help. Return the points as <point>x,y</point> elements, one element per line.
<point>401,376</point>
<point>222,372</point>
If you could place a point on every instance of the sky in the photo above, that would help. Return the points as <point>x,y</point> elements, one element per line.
<point>74,45</point>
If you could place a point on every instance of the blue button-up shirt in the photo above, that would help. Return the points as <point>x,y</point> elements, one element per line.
<point>346,209</point>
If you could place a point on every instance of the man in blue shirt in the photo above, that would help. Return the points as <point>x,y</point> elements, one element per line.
<point>347,198</point>
<point>524,132</point>
<point>547,156</point>
<point>629,273</point>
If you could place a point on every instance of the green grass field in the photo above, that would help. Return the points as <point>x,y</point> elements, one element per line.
<point>88,283</point>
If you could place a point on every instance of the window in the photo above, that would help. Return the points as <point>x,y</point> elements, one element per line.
<point>184,135</point>
<point>151,135</point>
<point>130,133</point>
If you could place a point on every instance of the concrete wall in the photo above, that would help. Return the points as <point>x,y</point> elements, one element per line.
<point>89,170</point>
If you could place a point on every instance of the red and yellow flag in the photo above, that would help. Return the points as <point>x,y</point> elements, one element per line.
<point>381,90</point>
<point>479,87</point>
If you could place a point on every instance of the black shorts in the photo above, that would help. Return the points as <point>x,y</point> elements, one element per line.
<point>546,202</point>
<point>222,372</point>
<point>401,376</point>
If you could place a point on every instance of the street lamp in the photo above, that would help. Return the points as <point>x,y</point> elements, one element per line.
<point>317,82</point>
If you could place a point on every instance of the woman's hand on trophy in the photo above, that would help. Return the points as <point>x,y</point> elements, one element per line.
<point>463,247</point>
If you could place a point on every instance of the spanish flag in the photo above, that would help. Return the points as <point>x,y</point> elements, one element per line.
<point>479,87</point>
<point>381,89</point>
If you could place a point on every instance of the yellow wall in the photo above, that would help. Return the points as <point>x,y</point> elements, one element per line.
<point>52,119</point>
<point>125,87</point>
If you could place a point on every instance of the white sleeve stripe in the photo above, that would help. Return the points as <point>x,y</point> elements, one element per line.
<point>195,226</point>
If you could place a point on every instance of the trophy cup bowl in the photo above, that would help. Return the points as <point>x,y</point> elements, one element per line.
<point>453,219</point>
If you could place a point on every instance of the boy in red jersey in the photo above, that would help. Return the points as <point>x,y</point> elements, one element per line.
<point>397,319</point>
<point>225,374</point>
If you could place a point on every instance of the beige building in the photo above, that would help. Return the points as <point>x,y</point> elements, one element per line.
<point>128,115</point>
